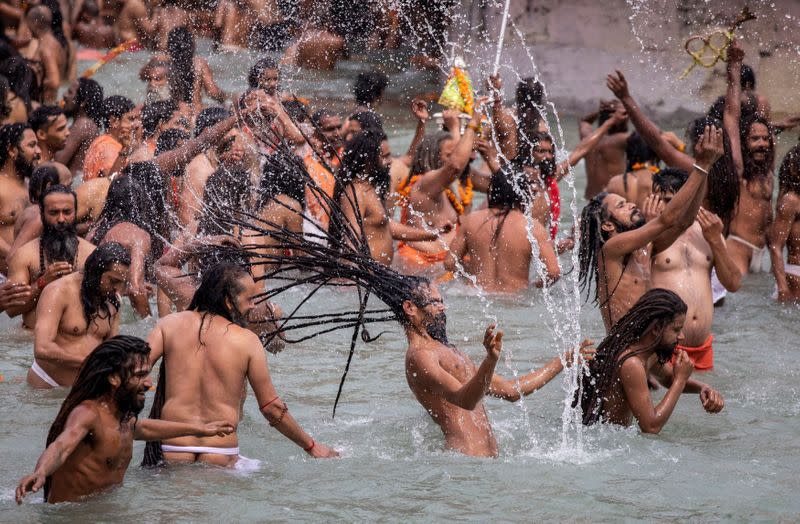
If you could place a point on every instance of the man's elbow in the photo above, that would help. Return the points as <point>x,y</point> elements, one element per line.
<point>650,428</point>
<point>733,283</point>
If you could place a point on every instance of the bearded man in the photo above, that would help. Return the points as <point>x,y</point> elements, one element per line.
<point>58,252</point>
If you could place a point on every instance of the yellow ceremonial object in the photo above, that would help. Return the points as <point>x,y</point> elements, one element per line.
<point>707,50</point>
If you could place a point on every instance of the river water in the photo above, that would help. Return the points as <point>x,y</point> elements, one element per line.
<point>739,465</point>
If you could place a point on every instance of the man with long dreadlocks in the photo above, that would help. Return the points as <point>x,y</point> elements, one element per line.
<point>207,358</point>
<point>642,343</point>
<point>90,443</point>
<point>494,244</point>
<point>785,231</point>
<point>615,247</point>
<point>75,314</point>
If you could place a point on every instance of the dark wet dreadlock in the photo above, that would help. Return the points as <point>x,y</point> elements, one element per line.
<point>789,174</point>
<point>116,356</point>
<point>592,238</point>
<point>94,304</point>
<point>652,313</point>
<point>723,183</point>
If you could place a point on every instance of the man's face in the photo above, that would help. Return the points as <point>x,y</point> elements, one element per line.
<point>623,215</point>
<point>244,303</point>
<point>59,211</point>
<point>130,396</point>
<point>122,127</point>
<point>27,153</point>
<point>69,106</point>
<point>268,81</point>
<point>430,314</point>
<point>114,280</point>
<point>331,127</point>
<point>55,133</point>
<point>758,142</point>
<point>445,150</point>
<point>232,149</point>
<point>671,337</point>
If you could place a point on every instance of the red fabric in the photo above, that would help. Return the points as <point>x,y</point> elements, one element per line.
<point>702,356</point>
<point>555,206</point>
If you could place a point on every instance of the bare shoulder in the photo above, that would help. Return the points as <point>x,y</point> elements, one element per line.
<point>631,369</point>
<point>27,254</point>
<point>85,248</point>
<point>789,201</point>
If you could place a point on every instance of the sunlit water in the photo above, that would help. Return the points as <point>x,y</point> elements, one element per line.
<point>739,465</point>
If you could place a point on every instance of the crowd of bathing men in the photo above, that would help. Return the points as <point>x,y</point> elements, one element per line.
<point>199,207</point>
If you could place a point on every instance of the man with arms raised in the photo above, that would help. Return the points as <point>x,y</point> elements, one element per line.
<point>608,158</point>
<point>446,382</point>
<point>208,357</point>
<point>615,242</point>
<point>19,154</point>
<point>75,314</point>
<point>493,244</point>
<point>785,230</point>
<point>58,252</point>
<point>685,268</point>
<point>642,343</point>
<point>90,443</point>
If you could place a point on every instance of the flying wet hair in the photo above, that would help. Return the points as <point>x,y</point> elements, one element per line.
<point>652,313</point>
<point>530,104</point>
<point>592,238</point>
<point>789,173</point>
<point>208,117</point>
<point>181,75</point>
<point>95,305</point>
<point>723,182</point>
<point>282,175</point>
<point>42,178</point>
<point>119,355</point>
<point>669,180</point>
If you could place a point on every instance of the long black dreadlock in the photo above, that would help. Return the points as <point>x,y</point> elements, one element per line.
<point>591,243</point>
<point>116,356</point>
<point>652,313</point>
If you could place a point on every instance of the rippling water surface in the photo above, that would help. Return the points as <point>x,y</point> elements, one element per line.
<point>739,465</point>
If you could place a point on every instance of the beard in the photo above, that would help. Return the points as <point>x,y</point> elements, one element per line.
<point>664,352</point>
<point>637,221</point>
<point>128,401</point>
<point>23,167</point>
<point>158,94</point>
<point>761,166</point>
<point>436,327</point>
<point>239,318</point>
<point>59,242</point>
<point>546,168</point>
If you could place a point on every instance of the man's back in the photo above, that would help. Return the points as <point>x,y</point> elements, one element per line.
<point>207,360</point>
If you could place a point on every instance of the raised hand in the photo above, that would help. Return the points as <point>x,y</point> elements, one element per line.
<point>683,366</point>
<point>493,342</point>
<point>586,352</point>
<point>30,484</point>
<point>618,85</point>
<point>451,120</point>
<point>619,116</point>
<point>711,225</point>
<point>710,147</point>
<point>219,428</point>
<point>419,108</point>
<point>735,52</point>
<point>653,207</point>
<point>711,400</point>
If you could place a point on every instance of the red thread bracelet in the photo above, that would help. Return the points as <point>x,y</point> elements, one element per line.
<point>309,448</point>
<point>262,408</point>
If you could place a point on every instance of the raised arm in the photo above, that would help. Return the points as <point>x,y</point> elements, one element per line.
<point>733,105</point>
<point>419,108</point>
<point>728,273</point>
<point>645,127</point>
<point>426,371</point>
<point>209,84</point>
<point>434,182</point>
<point>79,424</point>
<point>547,254</point>
<point>586,125</point>
<point>457,249</point>
<point>503,122</point>
<point>588,143</point>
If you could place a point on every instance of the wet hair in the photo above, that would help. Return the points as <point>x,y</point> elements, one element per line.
<point>369,87</point>
<point>723,182</point>
<point>751,170</point>
<point>747,78</point>
<point>362,160</point>
<point>42,115</point>
<point>219,283</point>
<point>89,96</point>
<point>368,120</point>
<point>95,305</point>
<point>225,189</point>
<point>5,87</point>
<point>748,107</point>
<point>281,175</point>
<point>119,356</point>
<point>637,151</point>
<point>10,136</point>
<point>42,178</point>
<point>428,155</point>
<point>592,238</point>
<point>115,106</point>
<point>156,113</point>
<point>57,188</point>
<point>181,76</point>
<point>652,313</point>
<point>209,117</point>
<point>507,190</point>
<point>297,111</point>
<point>789,173</point>
<point>669,180</point>
<point>530,102</point>
<point>263,64</point>
<point>170,139</point>
<point>22,80</point>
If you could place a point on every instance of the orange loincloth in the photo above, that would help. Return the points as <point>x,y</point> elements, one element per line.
<point>702,356</point>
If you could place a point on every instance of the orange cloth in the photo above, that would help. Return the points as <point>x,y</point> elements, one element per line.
<point>702,356</point>
<point>419,258</point>
<point>326,181</point>
<point>100,157</point>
